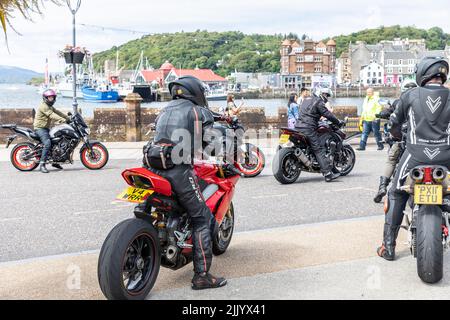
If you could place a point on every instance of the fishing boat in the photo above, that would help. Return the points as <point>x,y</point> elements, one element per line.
<point>102,94</point>
<point>216,94</point>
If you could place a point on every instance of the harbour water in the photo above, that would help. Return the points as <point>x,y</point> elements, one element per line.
<point>24,96</point>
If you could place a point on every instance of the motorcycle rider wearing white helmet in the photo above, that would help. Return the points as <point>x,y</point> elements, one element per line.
<point>312,110</point>
<point>395,150</point>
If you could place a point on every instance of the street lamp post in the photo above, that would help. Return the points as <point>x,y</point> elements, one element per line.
<point>74,9</point>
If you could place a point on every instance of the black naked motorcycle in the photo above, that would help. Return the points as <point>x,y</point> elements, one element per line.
<point>65,138</point>
<point>295,154</point>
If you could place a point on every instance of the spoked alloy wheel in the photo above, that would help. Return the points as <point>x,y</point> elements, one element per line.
<point>18,154</point>
<point>96,159</point>
<point>253,163</point>
<point>129,261</point>
<point>347,161</point>
<point>286,166</point>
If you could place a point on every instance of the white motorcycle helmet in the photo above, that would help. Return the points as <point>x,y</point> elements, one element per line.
<point>408,84</point>
<point>325,93</point>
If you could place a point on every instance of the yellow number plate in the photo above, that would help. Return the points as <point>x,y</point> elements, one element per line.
<point>135,195</point>
<point>284,138</point>
<point>427,194</point>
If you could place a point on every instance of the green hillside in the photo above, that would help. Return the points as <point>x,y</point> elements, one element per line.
<point>435,37</point>
<point>225,52</point>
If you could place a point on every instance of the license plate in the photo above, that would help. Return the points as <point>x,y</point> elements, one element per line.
<point>428,194</point>
<point>134,195</point>
<point>284,138</point>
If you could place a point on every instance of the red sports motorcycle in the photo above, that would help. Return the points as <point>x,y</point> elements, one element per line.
<point>135,249</point>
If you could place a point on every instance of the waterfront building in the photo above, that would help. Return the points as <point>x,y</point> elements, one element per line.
<point>303,59</point>
<point>167,73</point>
<point>372,74</point>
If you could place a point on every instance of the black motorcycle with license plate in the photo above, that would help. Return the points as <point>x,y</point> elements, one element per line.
<point>295,154</point>
<point>65,138</point>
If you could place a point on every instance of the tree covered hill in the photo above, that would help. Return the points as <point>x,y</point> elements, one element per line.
<point>225,52</point>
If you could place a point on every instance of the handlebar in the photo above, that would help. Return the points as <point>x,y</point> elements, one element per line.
<point>233,169</point>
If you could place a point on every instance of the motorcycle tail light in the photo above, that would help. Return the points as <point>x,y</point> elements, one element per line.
<point>428,175</point>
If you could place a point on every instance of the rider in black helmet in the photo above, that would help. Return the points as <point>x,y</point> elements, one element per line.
<point>181,122</point>
<point>427,111</point>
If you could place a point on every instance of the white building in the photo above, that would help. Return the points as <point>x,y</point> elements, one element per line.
<point>372,75</point>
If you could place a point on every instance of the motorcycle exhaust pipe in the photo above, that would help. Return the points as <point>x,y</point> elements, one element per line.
<point>439,174</point>
<point>417,174</point>
<point>172,253</point>
<point>302,157</point>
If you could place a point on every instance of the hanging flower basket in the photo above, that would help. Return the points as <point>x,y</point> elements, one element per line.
<point>73,55</point>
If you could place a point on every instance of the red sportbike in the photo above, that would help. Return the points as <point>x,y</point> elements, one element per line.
<point>135,249</point>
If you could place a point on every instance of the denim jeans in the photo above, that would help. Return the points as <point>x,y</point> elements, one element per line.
<point>368,127</point>
<point>45,139</point>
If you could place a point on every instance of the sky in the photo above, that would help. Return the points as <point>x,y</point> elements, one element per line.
<point>49,33</point>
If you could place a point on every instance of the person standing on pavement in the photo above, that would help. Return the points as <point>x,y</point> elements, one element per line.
<point>293,111</point>
<point>304,93</point>
<point>231,109</point>
<point>46,113</point>
<point>370,123</point>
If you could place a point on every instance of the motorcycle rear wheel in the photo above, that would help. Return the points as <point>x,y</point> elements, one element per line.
<point>430,250</point>
<point>286,166</point>
<point>17,153</point>
<point>129,261</point>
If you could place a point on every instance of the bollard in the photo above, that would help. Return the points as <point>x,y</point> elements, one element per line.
<point>133,117</point>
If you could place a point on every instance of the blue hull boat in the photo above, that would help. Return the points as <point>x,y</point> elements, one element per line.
<point>94,95</point>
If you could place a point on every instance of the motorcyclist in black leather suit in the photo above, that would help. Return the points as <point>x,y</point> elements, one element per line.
<point>395,149</point>
<point>427,110</point>
<point>182,121</point>
<point>312,109</point>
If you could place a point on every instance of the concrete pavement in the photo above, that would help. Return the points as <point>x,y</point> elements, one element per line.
<point>292,242</point>
<point>333,260</point>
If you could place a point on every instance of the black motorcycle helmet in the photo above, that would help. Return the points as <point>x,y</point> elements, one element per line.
<point>47,94</point>
<point>429,68</point>
<point>189,88</point>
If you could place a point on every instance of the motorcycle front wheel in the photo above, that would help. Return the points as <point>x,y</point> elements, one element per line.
<point>96,159</point>
<point>347,162</point>
<point>252,161</point>
<point>129,261</point>
<point>286,166</point>
<point>222,240</point>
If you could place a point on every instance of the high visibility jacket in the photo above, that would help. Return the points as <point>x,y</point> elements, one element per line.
<point>371,107</point>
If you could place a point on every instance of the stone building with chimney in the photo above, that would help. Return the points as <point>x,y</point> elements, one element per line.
<point>303,59</point>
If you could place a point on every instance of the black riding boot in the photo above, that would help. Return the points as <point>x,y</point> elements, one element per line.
<point>382,189</point>
<point>387,249</point>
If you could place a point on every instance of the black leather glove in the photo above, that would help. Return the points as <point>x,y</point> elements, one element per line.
<point>341,123</point>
